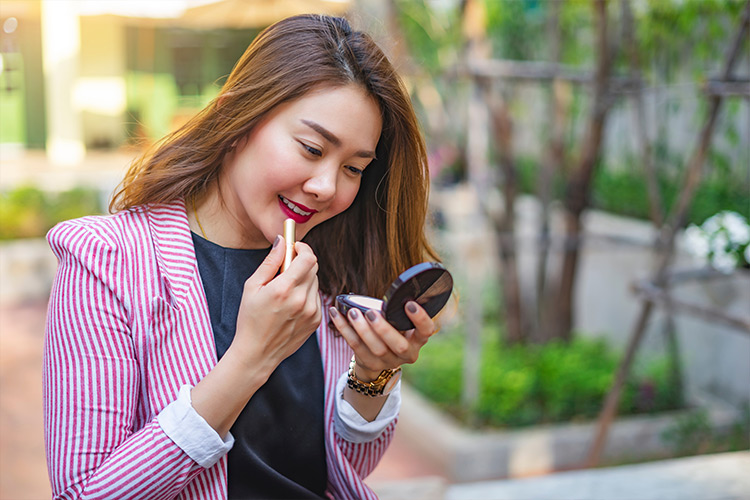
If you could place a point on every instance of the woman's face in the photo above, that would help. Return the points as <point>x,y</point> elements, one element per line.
<point>304,161</point>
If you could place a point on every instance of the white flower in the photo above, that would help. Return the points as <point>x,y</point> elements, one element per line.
<point>723,239</point>
<point>737,227</point>
<point>696,241</point>
<point>719,244</point>
<point>724,262</point>
<point>712,224</point>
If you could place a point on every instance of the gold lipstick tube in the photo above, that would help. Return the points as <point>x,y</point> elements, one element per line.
<point>289,238</point>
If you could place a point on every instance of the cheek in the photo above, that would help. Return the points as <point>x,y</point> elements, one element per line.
<point>344,198</point>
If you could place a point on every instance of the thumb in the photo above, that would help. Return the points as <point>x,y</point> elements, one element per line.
<point>270,266</point>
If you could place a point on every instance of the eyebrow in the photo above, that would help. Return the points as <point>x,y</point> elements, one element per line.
<point>331,137</point>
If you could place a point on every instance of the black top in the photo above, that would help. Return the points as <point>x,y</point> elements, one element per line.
<point>279,449</point>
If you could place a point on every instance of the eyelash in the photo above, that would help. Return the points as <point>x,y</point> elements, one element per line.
<point>313,151</point>
<point>355,170</point>
<point>316,152</point>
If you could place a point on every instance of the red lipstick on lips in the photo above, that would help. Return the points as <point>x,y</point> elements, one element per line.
<point>298,218</point>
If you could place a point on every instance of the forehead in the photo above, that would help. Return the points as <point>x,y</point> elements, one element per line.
<point>347,111</point>
<point>324,96</point>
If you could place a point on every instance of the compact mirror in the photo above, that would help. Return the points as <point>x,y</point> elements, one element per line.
<point>429,284</point>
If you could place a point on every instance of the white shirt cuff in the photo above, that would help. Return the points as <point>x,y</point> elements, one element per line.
<point>191,432</point>
<point>351,426</point>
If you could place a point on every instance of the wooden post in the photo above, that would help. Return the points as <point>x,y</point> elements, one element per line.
<point>504,223</point>
<point>473,327</point>
<point>579,183</point>
<point>656,209</point>
<point>553,161</point>
<point>656,205</point>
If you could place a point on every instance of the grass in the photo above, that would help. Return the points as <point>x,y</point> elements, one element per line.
<point>536,384</point>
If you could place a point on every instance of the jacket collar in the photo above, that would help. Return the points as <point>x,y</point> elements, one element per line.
<point>174,247</point>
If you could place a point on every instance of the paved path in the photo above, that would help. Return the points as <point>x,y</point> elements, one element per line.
<point>23,470</point>
<point>724,476</point>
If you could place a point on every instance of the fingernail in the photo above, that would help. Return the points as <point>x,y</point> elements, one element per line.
<point>353,313</point>
<point>411,307</point>
<point>371,315</point>
<point>276,241</point>
<point>332,312</point>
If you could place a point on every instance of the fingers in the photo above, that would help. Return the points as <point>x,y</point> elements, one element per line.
<point>270,265</point>
<point>376,343</point>
<point>304,267</point>
<point>347,331</point>
<point>362,324</point>
<point>292,294</point>
<point>424,326</point>
<point>313,307</point>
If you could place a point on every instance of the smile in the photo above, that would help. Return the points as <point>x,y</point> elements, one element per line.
<point>295,208</point>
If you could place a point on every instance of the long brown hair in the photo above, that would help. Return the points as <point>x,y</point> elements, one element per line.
<point>365,247</point>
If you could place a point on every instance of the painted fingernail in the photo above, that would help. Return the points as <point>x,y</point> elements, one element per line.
<point>411,306</point>
<point>371,315</point>
<point>276,241</point>
<point>332,312</point>
<point>353,313</point>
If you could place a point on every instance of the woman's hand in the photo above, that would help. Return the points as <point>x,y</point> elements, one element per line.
<point>379,346</point>
<point>277,315</point>
<point>278,312</point>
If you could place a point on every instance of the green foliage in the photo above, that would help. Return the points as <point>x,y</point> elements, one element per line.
<point>517,30</point>
<point>433,36</point>
<point>623,191</point>
<point>28,212</point>
<point>577,26</point>
<point>437,374</point>
<point>509,25</point>
<point>526,385</point>
<point>693,32</point>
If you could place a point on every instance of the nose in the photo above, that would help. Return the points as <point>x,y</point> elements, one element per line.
<point>322,184</point>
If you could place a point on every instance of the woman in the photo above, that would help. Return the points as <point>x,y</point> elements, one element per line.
<point>171,336</point>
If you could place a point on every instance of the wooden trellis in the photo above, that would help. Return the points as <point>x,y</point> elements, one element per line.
<point>607,88</point>
<point>657,286</point>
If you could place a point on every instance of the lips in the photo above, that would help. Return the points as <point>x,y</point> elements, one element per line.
<point>299,213</point>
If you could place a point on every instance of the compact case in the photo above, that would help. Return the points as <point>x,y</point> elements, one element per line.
<point>429,284</point>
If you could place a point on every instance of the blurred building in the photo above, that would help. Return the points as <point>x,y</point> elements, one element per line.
<point>77,75</point>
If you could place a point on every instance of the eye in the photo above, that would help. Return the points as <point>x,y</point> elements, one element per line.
<point>311,150</point>
<point>354,170</point>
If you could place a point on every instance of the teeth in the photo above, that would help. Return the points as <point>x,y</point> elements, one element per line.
<point>294,208</point>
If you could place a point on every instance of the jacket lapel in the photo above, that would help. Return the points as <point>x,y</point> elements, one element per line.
<point>183,337</point>
<point>174,249</point>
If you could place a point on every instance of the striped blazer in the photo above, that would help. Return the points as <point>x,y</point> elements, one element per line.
<point>127,326</point>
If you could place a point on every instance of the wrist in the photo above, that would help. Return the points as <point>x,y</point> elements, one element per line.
<point>365,374</point>
<point>381,385</point>
<point>222,394</point>
<point>248,366</point>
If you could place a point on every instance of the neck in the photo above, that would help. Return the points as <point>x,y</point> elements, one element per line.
<point>214,219</point>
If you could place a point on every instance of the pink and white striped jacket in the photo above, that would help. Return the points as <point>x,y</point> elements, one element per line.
<point>127,326</point>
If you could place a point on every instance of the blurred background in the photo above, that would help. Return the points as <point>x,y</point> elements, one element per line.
<point>590,165</point>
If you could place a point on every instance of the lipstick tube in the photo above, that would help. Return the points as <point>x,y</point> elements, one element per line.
<point>289,238</point>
